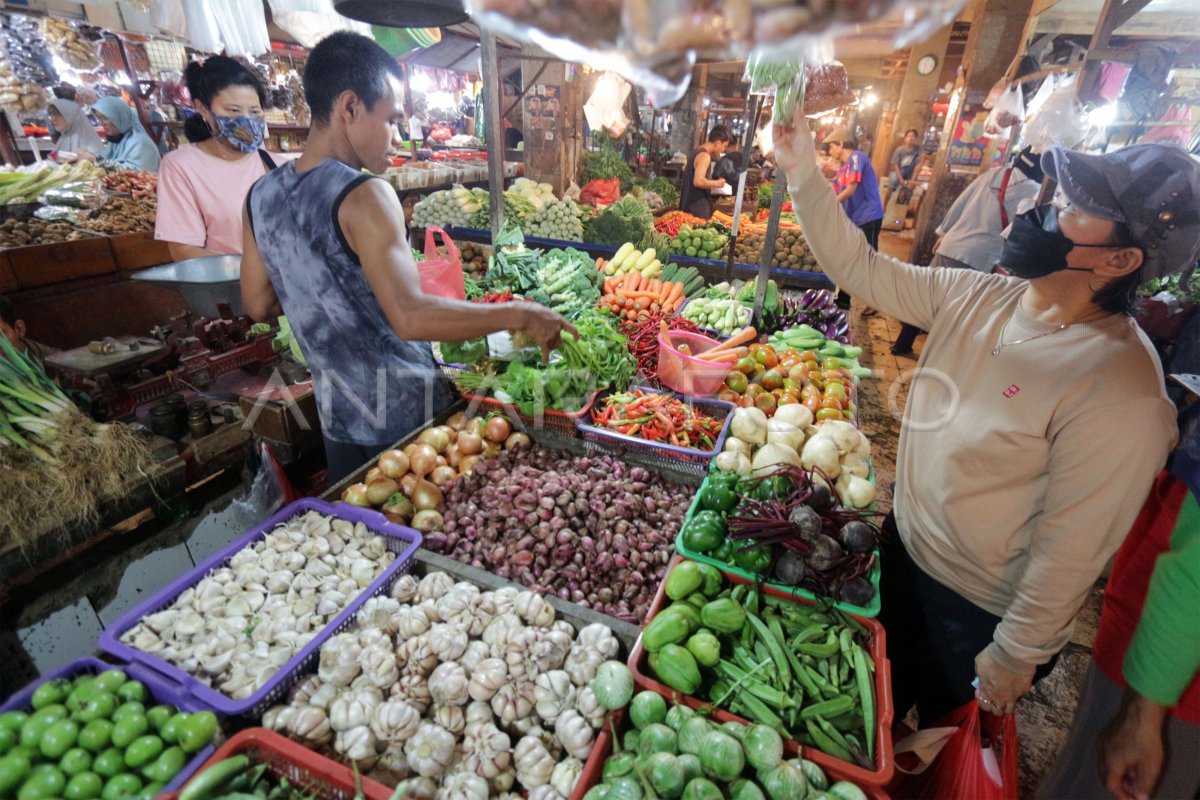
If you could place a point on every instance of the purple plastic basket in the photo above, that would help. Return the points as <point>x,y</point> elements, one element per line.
<point>400,540</point>
<point>684,459</point>
<point>160,690</point>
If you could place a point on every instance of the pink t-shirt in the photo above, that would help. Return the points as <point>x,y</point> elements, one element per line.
<point>200,198</point>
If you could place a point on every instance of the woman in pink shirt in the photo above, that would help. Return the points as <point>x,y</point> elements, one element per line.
<point>202,186</point>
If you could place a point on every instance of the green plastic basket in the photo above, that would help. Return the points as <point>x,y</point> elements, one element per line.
<point>870,610</point>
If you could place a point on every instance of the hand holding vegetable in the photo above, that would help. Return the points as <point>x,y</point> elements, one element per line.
<point>545,327</point>
<point>999,688</point>
<point>794,145</point>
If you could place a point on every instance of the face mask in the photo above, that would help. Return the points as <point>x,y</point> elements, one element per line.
<point>242,133</point>
<point>1036,247</point>
<point>114,137</point>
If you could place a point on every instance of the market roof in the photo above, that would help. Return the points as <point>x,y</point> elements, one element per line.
<point>459,49</point>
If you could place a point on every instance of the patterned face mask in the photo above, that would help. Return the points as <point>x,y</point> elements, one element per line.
<point>242,133</point>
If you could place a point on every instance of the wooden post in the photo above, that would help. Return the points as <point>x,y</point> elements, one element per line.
<point>495,130</point>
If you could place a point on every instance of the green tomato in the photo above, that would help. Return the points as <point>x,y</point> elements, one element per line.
<point>130,709</point>
<point>50,693</point>
<point>173,727</point>
<point>109,763</point>
<point>58,739</point>
<point>133,692</point>
<point>96,735</point>
<point>121,786</point>
<point>167,765</point>
<point>85,689</point>
<point>8,740</point>
<point>84,786</point>
<point>197,731</point>
<point>14,769</point>
<point>127,730</point>
<point>75,761</point>
<point>31,734</point>
<point>101,706</point>
<point>143,750</point>
<point>151,791</point>
<point>53,713</point>
<point>13,720</point>
<point>647,707</point>
<point>159,715</point>
<point>45,780</point>
<point>111,680</point>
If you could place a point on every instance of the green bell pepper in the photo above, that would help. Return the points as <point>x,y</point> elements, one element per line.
<point>754,560</point>
<point>704,532</point>
<point>719,493</point>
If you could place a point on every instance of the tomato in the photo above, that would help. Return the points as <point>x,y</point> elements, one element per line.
<point>13,720</point>
<point>746,401</point>
<point>129,729</point>
<point>85,689</point>
<point>737,382</point>
<point>786,399</point>
<point>75,761</point>
<point>14,769</point>
<point>766,356</point>
<point>759,369</point>
<point>833,375</point>
<point>142,751</point>
<point>772,379</point>
<point>58,739</point>
<point>792,386</point>
<point>46,780</point>
<point>8,740</point>
<point>50,693</point>
<point>101,706</point>
<point>837,390</point>
<point>111,680</point>
<point>831,364</point>
<point>34,729</point>
<point>753,390</point>
<point>799,372</point>
<point>812,403</point>
<point>745,365</point>
<point>121,786</point>
<point>726,396</point>
<point>808,390</point>
<point>167,765</point>
<point>133,692</point>
<point>827,413</point>
<point>831,402</point>
<point>96,735</point>
<point>767,403</point>
<point>84,786</point>
<point>197,731</point>
<point>809,355</point>
<point>130,709</point>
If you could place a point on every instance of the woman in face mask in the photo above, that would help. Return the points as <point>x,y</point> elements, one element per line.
<point>1036,420</point>
<point>129,146</point>
<point>202,186</point>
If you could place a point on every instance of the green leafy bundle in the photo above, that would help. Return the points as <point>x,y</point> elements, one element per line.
<point>512,266</point>
<point>664,189</point>
<point>569,282</point>
<point>604,165</point>
<point>626,220</point>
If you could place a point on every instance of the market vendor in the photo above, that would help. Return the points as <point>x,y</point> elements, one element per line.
<point>327,243</point>
<point>13,329</point>
<point>1035,423</point>
<point>694,195</point>
<point>129,146</point>
<point>75,132</point>
<point>202,186</point>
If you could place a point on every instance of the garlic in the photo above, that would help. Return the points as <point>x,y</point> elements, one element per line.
<point>418,788</point>
<point>488,676</point>
<point>550,650</point>
<point>478,712</point>
<point>405,588</point>
<point>477,651</point>
<point>582,663</point>
<point>331,603</point>
<point>430,749</point>
<point>553,693</point>
<point>392,763</point>
<point>324,696</point>
<point>463,786</point>
<point>373,637</point>
<point>339,660</point>
<point>304,690</point>
<point>434,585</point>
<point>394,721</point>
<point>496,632</point>
<point>487,750</point>
<point>459,609</point>
<point>451,718</point>
<point>600,638</point>
<point>589,707</point>
<point>363,571</point>
<point>505,599</point>
<point>447,642</point>
<point>534,763</point>
<point>566,775</point>
<point>353,708</point>
<point>418,655</point>
<point>377,613</point>
<point>410,621</point>
<point>379,665</point>
<point>448,684</point>
<point>534,609</point>
<point>356,744</point>
<point>310,725</point>
<point>519,655</point>
<point>279,717</point>
<point>413,690</point>
<point>513,701</point>
<point>574,733</point>
<point>546,792</point>
<point>504,781</point>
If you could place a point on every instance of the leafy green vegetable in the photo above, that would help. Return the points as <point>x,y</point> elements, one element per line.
<point>626,220</point>
<point>511,265</point>
<point>1172,284</point>
<point>665,189</point>
<point>471,351</point>
<point>568,282</point>
<point>604,165</point>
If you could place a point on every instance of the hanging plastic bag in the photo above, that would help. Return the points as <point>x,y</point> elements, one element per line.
<point>605,109</point>
<point>1054,117</point>
<point>1180,134</point>
<point>826,87</point>
<point>1009,110</point>
<point>966,754</point>
<point>441,274</point>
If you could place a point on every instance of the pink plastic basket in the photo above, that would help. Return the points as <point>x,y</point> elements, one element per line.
<point>687,374</point>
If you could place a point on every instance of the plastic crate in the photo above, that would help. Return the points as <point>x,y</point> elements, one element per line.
<point>561,423</point>
<point>315,774</point>
<point>160,690</point>
<point>402,541</point>
<point>593,768</point>
<point>873,575</point>
<point>657,453</point>
<point>876,650</point>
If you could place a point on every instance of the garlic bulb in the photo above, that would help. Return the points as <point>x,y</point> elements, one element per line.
<point>278,718</point>
<point>379,665</point>
<point>413,690</point>
<point>476,651</point>
<point>434,585</point>
<point>489,675</point>
<point>550,650</point>
<point>419,655</point>
<point>356,744</point>
<point>447,642</point>
<point>452,718</point>
<point>393,764</point>
<point>589,707</point>
<point>373,637</point>
<point>487,750</point>
<point>448,684</point>
<point>505,599</point>
<point>504,781</point>
<point>339,660</point>
<point>513,701</point>
<point>546,792</point>
<point>310,725</point>
<point>534,763</point>
<point>405,588</point>
<point>565,775</point>
<point>600,638</point>
<point>430,749</point>
<point>497,631</point>
<point>394,722</point>
<point>324,695</point>
<point>418,788</point>
<point>410,621</point>
<point>460,609</point>
<point>574,733</point>
<point>565,627</point>
<point>553,693</point>
<point>534,609</point>
<point>478,712</point>
<point>463,786</point>
<point>582,663</point>
<point>353,709</point>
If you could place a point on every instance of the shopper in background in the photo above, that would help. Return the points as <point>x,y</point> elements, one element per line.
<point>1035,426</point>
<point>328,243</point>
<point>694,192</point>
<point>1136,731</point>
<point>202,186</point>
<point>971,235</point>
<point>904,164</point>
<point>75,132</point>
<point>856,185</point>
<point>730,165</point>
<point>129,146</point>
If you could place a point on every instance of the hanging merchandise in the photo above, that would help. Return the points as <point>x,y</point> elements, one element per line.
<point>79,46</point>
<point>310,21</point>
<point>243,26</point>
<point>1054,117</point>
<point>605,108</point>
<point>169,17</point>
<point>1172,134</point>
<point>1008,110</point>
<point>203,32</point>
<point>26,66</point>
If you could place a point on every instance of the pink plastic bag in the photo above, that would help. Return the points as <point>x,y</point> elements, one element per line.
<point>441,274</point>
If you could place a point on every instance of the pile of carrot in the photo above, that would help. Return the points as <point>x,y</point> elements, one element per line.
<point>729,351</point>
<point>631,295</point>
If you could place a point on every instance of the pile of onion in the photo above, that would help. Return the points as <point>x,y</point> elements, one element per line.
<point>406,485</point>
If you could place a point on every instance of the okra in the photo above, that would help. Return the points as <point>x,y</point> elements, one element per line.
<point>776,651</point>
<point>826,649</point>
<point>866,698</point>
<point>811,633</point>
<point>825,743</point>
<point>834,734</point>
<point>828,708</point>
<point>846,619</point>
<point>846,639</point>
<point>760,690</point>
<point>747,677</point>
<point>758,711</point>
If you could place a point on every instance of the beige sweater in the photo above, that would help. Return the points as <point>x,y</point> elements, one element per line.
<point>1019,475</point>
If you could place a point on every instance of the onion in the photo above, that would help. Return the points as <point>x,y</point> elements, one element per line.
<point>491,449</point>
<point>356,495</point>
<point>516,440</point>
<point>395,519</point>
<point>435,438</point>
<point>372,474</point>
<point>398,505</point>
<point>407,483</point>
<point>453,455</point>
<point>442,475</point>
<point>409,449</point>
<point>467,464</point>
<point>393,463</point>
<point>497,430</point>
<point>440,461</point>
<point>457,421</point>
<point>423,460</point>
<point>380,489</point>
<point>451,432</point>
<point>470,443</point>
<point>475,425</point>
<point>426,496</point>
<point>427,521</point>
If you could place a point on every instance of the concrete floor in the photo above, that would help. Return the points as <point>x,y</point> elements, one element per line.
<point>1044,716</point>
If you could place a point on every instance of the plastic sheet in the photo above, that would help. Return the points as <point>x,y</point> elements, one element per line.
<point>1054,118</point>
<point>310,21</point>
<point>605,108</point>
<point>1008,110</point>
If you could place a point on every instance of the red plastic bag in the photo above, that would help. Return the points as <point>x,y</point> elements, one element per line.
<point>601,192</point>
<point>978,760</point>
<point>441,275</point>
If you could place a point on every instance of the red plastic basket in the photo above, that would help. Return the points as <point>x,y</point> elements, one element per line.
<point>876,648</point>
<point>302,767</point>
<point>562,423</point>
<point>593,768</point>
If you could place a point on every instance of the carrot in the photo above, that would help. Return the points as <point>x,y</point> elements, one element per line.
<point>719,358</point>
<point>630,280</point>
<point>643,282</point>
<point>600,262</point>
<point>747,335</point>
<point>676,293</point>
<point>655,286</point>
<point>675,304</point>
<point>640,295</point>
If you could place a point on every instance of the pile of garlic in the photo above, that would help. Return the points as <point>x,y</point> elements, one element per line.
<point>457,692</point>
<point>235,628</point>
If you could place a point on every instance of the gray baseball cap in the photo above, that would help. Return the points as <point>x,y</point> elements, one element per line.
<point>1154,189</point>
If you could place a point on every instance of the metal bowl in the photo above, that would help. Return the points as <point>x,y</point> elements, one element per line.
<point>203,282</point>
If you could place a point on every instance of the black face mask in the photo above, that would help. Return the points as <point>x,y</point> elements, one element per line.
<point>1035,247</point>
<point>114,137</point>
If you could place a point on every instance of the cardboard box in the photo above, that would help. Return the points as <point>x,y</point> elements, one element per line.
<point>275,416</point>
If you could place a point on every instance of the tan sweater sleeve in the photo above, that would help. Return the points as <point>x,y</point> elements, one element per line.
<point>913,294</point>
<point>1101,467</point>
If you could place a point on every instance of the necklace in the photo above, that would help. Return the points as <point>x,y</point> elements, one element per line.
<point>1001,344</point>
